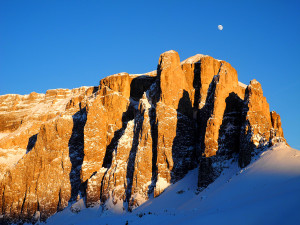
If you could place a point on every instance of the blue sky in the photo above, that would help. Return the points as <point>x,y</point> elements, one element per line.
<point>67,44</point>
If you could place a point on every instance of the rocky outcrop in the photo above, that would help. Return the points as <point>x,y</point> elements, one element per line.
<point>131,137</point>
<point>22,116</point>
<point>175,146</point>
<point>258,129</point>
<point>141,170</point>
<point>276,134</point>
<point>41,173</point>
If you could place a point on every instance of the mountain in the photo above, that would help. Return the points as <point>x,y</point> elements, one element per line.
<point>264,192</point>
<point>127,140</point>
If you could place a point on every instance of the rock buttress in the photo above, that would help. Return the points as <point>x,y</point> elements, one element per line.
<point>260,128</point>
<point>174,105</point>
<point>41,179</point>
<point>142,175</point>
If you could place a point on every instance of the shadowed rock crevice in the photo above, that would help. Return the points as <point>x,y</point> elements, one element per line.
<point>76,154</point>
<point>154,134</point>
<point>247,146</point>
<point>205,171</point>
<point>196,113</point>
<point>127,116</point>
<point>31,143</point>
<point>138,122</point>
<point>197,84</point>
<point>228,141</point>
<point>183,150</point>
<point>205,113</point>
<point>112,146</point>
<point>139,85</point>
<point>59,206</point>
<point>231,119</point>
<point>143,126</point>
<point>230,130</point>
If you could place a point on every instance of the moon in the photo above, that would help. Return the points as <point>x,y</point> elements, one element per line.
<point>220,27</point>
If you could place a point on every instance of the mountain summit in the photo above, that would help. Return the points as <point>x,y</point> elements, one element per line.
<point>128,139</point>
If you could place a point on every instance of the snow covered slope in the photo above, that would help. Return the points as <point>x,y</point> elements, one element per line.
<point>265,192</point>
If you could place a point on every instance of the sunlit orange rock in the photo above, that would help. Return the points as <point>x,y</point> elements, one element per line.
<point>128,139</point>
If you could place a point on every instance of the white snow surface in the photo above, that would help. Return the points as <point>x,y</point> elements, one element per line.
<point>265,192</point>
<point>193,59</point>
<point>242,85</point>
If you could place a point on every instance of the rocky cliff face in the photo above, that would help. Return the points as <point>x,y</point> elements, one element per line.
<point>128,139</point>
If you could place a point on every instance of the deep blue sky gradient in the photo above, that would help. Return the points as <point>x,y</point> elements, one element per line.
<point>67,44</point>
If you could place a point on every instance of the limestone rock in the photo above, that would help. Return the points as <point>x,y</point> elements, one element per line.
<point>129,138</point>
<point>276,135</point>
<point>225,82</point>
<point>114,184</point>
<point>257,125</point>
<point>172,78</point>
<point>107,131</point>
<point>174,112</point>
<point>47,176</point>
<point>22,116</point>
<point>142,175</point>
<point>41,173</point>
<point>104,121</point>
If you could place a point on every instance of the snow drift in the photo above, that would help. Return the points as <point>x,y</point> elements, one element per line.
<point>265,192</point>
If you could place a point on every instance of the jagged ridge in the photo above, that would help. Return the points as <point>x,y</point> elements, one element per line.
<point>131,137</point>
